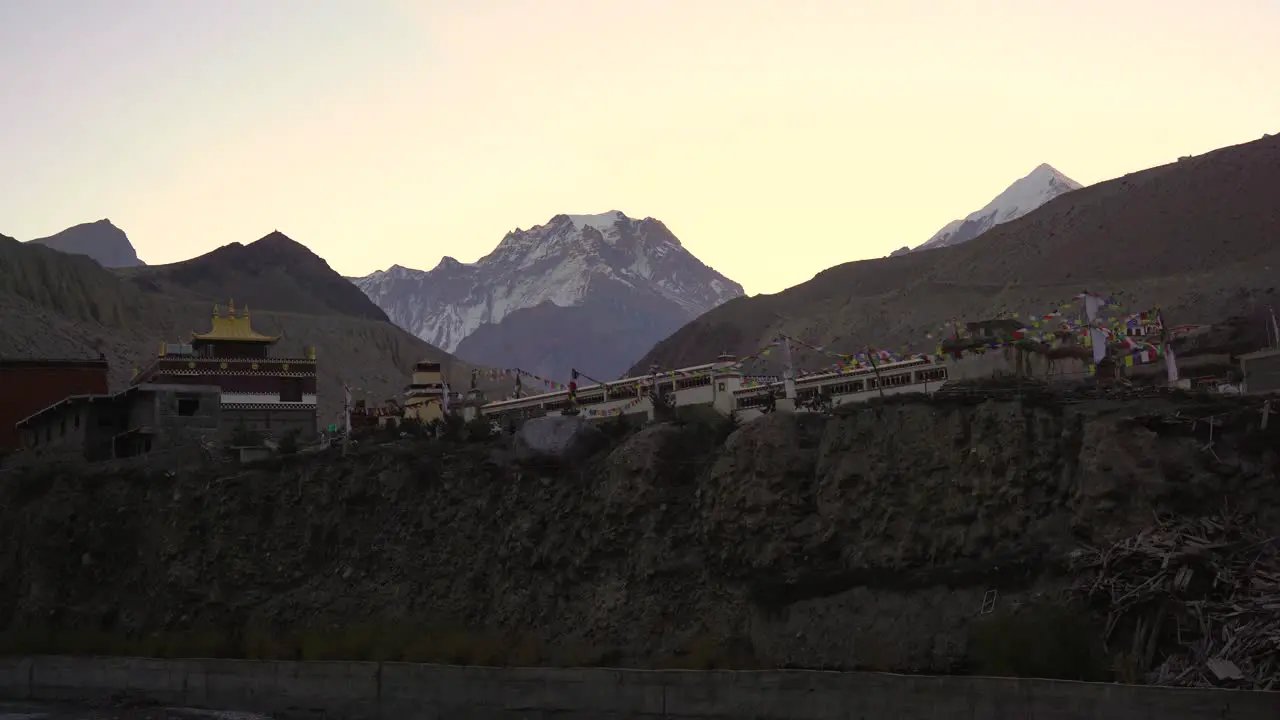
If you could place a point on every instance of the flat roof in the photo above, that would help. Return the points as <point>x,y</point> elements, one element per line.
<point>6,363</point>
<point>1260,354</point>
<point>825,378</point>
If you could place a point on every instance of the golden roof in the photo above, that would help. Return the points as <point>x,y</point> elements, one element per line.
<point>233,327</point>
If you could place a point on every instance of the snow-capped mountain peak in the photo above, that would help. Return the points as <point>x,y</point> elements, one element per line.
<point>605,260</point>
<point>602,222</point>
<point>1039,187</point>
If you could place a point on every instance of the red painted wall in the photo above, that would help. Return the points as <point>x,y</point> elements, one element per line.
<point>27,386</point>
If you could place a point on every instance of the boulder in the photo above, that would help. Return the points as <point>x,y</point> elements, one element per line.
<point>563,437</point>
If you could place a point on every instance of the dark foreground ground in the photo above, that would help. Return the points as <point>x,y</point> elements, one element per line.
<point>108,711</point>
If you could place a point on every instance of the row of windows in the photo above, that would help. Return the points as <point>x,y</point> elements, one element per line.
<point>597,397</point>
<point>854,386</point>
<point>751,401</point>
<point>693,382</point>
<point>846,388</point>
<point>892,381</point>
<point>104,420</point>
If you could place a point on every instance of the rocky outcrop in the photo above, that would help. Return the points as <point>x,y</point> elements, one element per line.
<point>863,539</point>
<point>562,437</point>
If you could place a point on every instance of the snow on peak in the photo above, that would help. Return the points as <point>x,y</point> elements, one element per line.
<point>601,222</point>
<point>1026,194</point>
<point>562,262</point>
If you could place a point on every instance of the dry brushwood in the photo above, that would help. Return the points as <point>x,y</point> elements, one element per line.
<point>1193,602</point>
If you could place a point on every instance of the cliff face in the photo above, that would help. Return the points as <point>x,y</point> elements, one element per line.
<point>867,539</point>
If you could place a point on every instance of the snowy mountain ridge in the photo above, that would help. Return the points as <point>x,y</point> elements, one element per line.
<point>1026,194</point>
<point>608,261</point>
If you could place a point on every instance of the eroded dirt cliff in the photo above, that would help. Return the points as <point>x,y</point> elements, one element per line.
<point>864,539</point>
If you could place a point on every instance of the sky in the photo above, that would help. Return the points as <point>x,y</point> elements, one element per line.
<point>775,139</point>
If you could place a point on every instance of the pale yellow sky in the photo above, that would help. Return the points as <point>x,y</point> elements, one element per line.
<point>776,139</point>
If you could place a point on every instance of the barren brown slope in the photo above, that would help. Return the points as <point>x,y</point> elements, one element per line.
<point>1201,238</point>
<point>100,240</point>
<point>274,272</point>
<point>58,305</point>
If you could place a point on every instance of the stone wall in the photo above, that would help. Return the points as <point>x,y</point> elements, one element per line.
<point>402,691</point>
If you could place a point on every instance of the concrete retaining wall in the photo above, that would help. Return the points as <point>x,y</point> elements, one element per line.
<point>402,691</point>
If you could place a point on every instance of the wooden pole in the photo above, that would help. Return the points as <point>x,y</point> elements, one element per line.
<point>879,382</point>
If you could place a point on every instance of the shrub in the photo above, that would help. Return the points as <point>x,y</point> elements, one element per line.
<point>242,436</point>
<point>478,429</point>
<point>1042,641</point>
<point>30,483</point>
<point>617,427</point>
<point>451,428</point>
<point>289,443</point>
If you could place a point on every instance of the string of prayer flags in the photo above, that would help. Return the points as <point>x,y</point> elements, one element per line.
<point>592,412</point>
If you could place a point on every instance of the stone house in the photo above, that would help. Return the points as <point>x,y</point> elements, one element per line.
<point>135,421</point>
<point>1261,370</point>
<point>27,385</point>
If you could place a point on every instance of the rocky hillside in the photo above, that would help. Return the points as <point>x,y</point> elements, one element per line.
<point>102,241</point>
<point>601,289</point>
<point>1197,237</point>
<point>58,305</point>
<point>865,539</point>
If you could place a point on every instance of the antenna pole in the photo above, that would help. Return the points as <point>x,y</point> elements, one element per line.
<point>879,381</point>
<point>1275,329</point>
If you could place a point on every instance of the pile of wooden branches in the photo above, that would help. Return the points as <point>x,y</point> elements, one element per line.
<point>1189,602</point>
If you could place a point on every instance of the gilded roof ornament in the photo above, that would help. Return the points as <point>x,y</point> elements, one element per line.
<point>233,328</point>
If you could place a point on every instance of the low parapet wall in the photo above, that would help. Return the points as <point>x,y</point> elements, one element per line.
<point>404,691</point>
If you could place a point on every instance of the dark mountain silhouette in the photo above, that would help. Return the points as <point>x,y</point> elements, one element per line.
<point>102,241</point>
<point>274,272</point>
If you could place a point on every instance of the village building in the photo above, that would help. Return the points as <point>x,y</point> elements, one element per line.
<point>28,385</point>
<point>365,416</point>
<point>995,348</point>
<point>426,399</point>
<point>723,387</point>
<point>1261,370</point>
<point>259,393</point>
<point>138,420</point>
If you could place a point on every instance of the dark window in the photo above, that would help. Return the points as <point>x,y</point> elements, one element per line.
<point>62,427</point>
<point>76,418</point>
<point>188,405</point>
<point>291,390</point>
